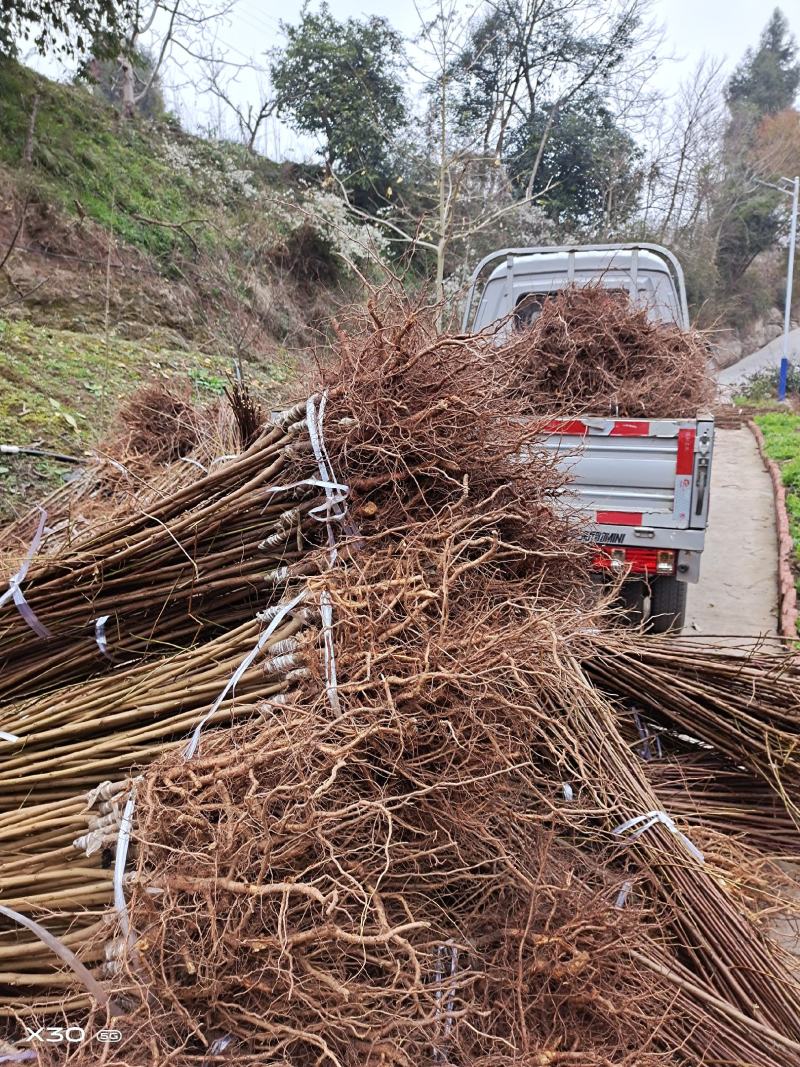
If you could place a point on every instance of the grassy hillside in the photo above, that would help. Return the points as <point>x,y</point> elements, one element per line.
<point>134,250</point>
<point>104,212</point>
<point>60,391</point>
<point>87,160</point>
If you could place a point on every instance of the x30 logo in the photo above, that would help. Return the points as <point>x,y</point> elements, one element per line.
<point>54,1035</point>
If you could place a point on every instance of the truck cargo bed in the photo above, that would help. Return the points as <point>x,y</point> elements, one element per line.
<point>636,472</point>
<point>639,484</point>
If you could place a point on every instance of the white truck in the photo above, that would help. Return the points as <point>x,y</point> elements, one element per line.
<point>641,484</point>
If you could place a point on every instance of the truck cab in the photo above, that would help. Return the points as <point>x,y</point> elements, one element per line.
<point>649,274</point>
<point>640,485</point>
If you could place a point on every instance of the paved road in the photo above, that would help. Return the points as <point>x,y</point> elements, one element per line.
<point>737,591</point>
<point>765,359</point>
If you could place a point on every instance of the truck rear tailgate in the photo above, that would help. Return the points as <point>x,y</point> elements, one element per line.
<point>629,472</point>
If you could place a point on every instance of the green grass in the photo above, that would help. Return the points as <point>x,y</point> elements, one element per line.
<point>116,170</point>
<point>742,400</point>
<point>761,389</point>
<point>61,390</point>
<point>782,438</point>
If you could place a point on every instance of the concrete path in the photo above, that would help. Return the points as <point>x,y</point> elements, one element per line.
<point>737,591</point>
<point>765,359</point>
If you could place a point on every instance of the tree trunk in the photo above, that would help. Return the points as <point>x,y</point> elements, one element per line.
<point>441,249</point>
<point>441,245</point>
<point>27,155</point>
<point>551,118</point>
<point>127,87</point>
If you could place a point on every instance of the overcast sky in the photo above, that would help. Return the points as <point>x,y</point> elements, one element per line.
<point>722,29</point>
<point>692,28</point>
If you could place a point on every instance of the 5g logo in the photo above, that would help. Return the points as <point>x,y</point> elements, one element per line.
<point>54,1035</point>
<point>110,1037</point>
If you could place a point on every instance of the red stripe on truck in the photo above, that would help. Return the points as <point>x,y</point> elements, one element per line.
<point>566,426</point>
<point>620,518</point>
<point>685,461</point>
<point>620,428</point>
<point>630,429</point>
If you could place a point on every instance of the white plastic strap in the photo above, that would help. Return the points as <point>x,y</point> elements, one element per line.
<point>230,685</point>
<point>320,417</point>
<point>61,950</point>
<point>100,634</point>
<point>653,818</point>
<point>194,463</point>
<point>323,512</point>
<point>326,612</point>
<point>622,896</point>
<point>438,977</point>
<point>439,1052</point>
<point>335,507</point>
<point>8,737</point>
<point>118,466</point>
<point>219,1044</point>
<point>14,592</point>
<point>341,516</point>
<point>646,752</point>
<point>120,859</point>
<point>320,483</point>
<point>451,995</point>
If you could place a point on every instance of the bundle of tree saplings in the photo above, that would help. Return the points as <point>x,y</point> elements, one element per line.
<point>56,868</point>
<point>67,741</point>
<point>440,847</point>
<point>708,790</point>
<point>591,351</point>
<point>422,866</point>
<point>72,738</point>
<point>54,858</point>
<point>198,559</point>
<point>76,736</point>
<point>745,708</point>
<point>159,443</point>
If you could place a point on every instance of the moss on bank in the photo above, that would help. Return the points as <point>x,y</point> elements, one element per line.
<point>60,391</point>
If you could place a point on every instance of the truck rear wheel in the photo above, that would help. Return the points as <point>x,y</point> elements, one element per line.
<point>632,594</point>
<point>667,605</point>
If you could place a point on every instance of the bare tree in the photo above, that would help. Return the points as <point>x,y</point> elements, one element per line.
<point>168,29</point>
<point>221,82</point>
<point>19,294</point>
<point>694,138</point>
<point>448,202</point>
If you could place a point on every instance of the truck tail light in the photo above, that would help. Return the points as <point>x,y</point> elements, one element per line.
<point>617,557</point>
<point>635,560</point>
<point>666,561</point>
